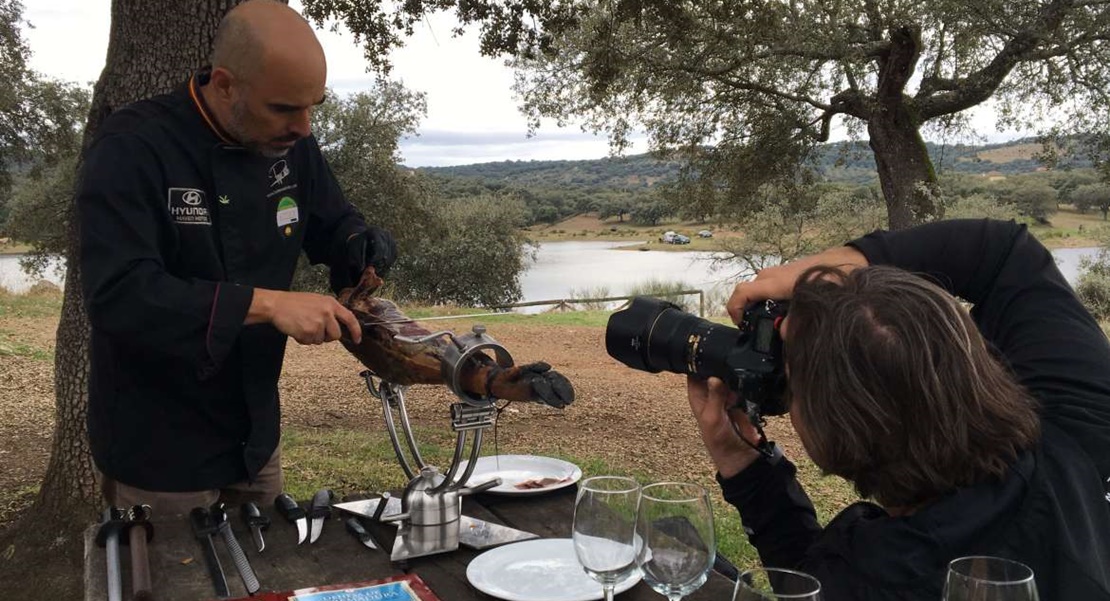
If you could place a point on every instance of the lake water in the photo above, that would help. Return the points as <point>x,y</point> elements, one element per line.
<point>567,269</point>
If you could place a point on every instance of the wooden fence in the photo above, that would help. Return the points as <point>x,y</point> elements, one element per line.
<point>567,304</point>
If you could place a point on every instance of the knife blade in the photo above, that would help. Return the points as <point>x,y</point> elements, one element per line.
<point>203,528</point>
<point>293,513</point>
<point>355,528</point>
<point>246,573</point>
<point>257,522</point>
<point>319,511</point>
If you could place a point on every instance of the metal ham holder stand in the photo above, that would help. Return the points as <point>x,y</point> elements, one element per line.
<point>429,516</point>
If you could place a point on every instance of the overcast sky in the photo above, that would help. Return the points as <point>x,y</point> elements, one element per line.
<point>472,115</point>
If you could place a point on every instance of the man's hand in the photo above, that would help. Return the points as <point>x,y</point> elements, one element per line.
<point>306,317</point>
<point>708,402</point>
<point>777,283</point>
<point>373,247</point>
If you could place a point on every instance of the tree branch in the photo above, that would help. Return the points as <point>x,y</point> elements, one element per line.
<point>959,94</point>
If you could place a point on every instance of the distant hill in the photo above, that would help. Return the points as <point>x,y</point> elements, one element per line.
<point>843,161</point>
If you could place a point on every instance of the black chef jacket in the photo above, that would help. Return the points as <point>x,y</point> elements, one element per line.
<point>178,226</point>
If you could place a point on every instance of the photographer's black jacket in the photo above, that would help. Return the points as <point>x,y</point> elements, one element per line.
<point>178,226</point>
<point>1052,512</point>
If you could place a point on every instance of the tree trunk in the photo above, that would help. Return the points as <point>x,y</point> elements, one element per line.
<point>153,46</point>
<point>905,171</point>
<point>151,50</point>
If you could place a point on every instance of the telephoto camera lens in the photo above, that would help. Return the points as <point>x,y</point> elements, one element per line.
<point>655,335</point>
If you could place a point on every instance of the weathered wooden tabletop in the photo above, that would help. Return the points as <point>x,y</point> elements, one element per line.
<point>179,573</point>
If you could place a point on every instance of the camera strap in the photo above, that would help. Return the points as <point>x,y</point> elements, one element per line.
<point>767,448</point>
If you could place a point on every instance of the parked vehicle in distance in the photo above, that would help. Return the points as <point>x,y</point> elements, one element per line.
<point>680,239</point>
<point>668,237</point>
<point>705,234</point>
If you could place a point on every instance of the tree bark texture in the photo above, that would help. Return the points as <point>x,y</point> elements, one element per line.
<point>906,173</point>
<point>153,47</point>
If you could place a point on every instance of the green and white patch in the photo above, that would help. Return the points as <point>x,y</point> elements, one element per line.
<point>287,212</point>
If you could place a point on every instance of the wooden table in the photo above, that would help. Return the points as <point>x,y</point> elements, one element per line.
<point>178,570</point>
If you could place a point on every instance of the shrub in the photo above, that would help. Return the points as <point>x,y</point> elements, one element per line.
<point>1094,285</point>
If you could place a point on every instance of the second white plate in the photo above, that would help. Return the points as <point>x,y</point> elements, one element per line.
<point>515,469</point>
<point>546,569</point>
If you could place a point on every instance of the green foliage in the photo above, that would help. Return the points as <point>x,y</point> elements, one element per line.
<point>978,205</point>
<point>464,250</point>
<point>1032,199</point>
<point>795,222</point>
<point>1094,284</point>
<point>649,213</point>
<point>41,119</point>
<point>472,255</point>
<point>741,93</point>
<point>39,210</point>
<point>1092,195</point>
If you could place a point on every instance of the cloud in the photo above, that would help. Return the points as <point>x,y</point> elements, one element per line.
<point>437,148</point>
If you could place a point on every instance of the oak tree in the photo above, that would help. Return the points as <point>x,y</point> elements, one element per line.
<point>746,88</point>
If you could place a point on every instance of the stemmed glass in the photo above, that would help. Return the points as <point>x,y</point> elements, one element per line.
<point>604,531</point>
<point>989,579</point>
<point>776,584</point>
<point>675,526</point>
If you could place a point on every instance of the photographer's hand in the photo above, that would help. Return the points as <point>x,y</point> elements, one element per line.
<point>777,283</point>
<point>709,400</point>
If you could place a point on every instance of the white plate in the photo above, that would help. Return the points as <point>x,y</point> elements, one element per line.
<point>545,569</point>
<point>514,469</point>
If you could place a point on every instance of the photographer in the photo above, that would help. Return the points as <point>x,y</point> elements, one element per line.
<point>981,433</point>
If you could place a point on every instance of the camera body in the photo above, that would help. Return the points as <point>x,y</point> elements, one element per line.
<point>654,335</point>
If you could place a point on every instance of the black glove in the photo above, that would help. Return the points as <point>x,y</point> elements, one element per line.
<point>374,246</point>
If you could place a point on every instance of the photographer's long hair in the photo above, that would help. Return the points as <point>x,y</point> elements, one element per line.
<point>894,388</point>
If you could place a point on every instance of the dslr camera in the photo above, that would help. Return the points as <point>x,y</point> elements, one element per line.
<point>654,335</point>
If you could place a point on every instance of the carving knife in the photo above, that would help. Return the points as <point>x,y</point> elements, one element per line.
<point>319,511</point>
<point>250,581</point>
<point>355,528</point>
<point>257,522</point>
<point>203,528</point>
<point>292,512</point>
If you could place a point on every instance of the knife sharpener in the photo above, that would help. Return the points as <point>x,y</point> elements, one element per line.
<point>430,519</point>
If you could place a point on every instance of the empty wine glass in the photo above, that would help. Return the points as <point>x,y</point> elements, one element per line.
<point>675,527</point>
<point>984,578</point>
<point>604,531</point>
<point>776,584</point>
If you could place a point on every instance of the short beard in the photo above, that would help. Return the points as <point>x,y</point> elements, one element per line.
<point>238,131</point>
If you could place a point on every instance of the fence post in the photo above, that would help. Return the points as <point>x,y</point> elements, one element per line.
<point>701,303</point>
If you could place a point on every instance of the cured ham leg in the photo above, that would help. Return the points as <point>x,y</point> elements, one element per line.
<point>404,363</point>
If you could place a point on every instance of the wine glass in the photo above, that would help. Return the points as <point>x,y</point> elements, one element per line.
<point>776,584</point>
<point>604,531</point>
<point>675,527</point>
<point>982,578</point>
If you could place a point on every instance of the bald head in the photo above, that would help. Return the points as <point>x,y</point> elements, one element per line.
<point>261,37</point>
<point>268,71</point>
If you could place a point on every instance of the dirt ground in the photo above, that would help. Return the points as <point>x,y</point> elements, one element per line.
<point>631,419</point>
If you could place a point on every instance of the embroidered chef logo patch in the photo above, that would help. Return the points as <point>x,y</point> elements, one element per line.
<point>188,206</point>
<point>278,172</point>
<point>287,214</point>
